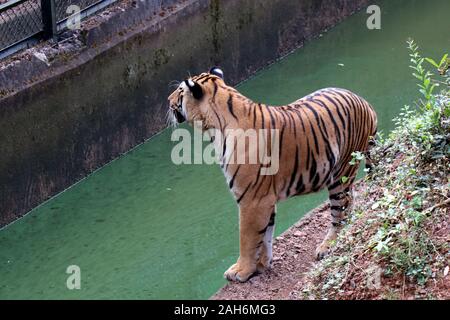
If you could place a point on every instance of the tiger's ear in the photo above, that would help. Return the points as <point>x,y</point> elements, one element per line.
<point>195,88</point>
<point>217,72</point>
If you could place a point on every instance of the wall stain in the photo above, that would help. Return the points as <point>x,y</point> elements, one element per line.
<point>215,20</point>
<point>161,57</point>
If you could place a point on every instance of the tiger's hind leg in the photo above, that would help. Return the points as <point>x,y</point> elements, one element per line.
<point>369,162</point>
<point>255,226</point>
<point>341,198</point>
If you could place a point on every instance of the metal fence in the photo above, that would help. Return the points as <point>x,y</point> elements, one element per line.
<point>19,20</point>
<point>24,22</point>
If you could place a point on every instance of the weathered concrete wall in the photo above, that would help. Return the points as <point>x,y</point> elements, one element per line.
<point>111,96</point>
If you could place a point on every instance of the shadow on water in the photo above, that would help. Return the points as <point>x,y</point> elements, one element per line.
<point>143,228</point>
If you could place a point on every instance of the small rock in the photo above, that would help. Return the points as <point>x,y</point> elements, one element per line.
<point>446,269</point>
<point>42,57</point>
<point>299,234</point>
<point>422,291</point>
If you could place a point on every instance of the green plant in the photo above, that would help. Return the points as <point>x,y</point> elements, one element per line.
<point>424,76</point>
<point>356,158</point>
<point>428,127</point>
<point>442,67</point>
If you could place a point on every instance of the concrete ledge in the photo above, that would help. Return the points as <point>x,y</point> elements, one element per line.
<point>106,90</point>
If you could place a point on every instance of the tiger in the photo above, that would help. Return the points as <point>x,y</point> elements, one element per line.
<point>318,136</point>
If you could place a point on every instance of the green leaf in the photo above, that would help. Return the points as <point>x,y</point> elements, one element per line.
<point>443,60</point>
<point>431,61</point>
<point>432,88</point>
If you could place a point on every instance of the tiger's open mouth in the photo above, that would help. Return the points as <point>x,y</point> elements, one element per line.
<point>178,114</point>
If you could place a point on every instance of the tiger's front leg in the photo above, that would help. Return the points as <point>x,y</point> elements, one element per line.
<point>266,255</point>
<point>254,253</point>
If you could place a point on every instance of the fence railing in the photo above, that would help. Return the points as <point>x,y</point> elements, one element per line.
<point>24,22</point>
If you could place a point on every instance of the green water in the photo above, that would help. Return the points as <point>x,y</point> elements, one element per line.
<point>143,228</point>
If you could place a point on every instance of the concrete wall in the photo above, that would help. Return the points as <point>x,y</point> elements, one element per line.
<point>111,95</point>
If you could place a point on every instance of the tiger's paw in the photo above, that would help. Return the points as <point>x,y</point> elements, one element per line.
<point>323,250</point>
<point>238,274</point>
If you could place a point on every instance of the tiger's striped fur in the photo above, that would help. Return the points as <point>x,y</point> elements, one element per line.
<point>317,133</point>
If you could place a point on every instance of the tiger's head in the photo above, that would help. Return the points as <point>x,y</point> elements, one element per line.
<point>191,101</point>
